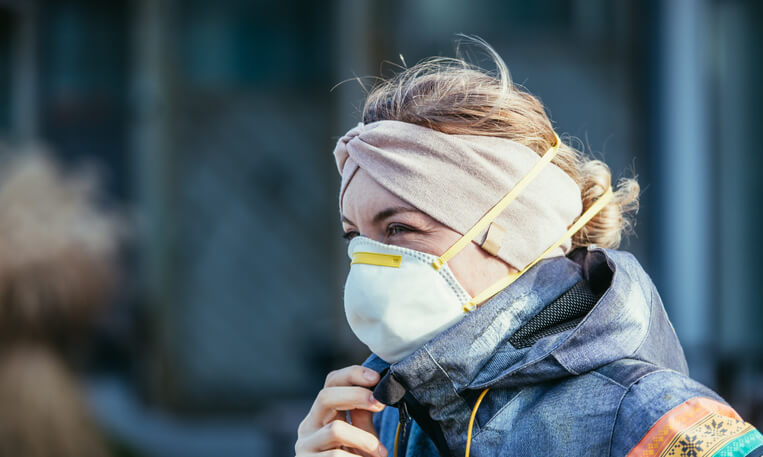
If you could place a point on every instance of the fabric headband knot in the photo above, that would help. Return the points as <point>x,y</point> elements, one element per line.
<point>456,179</point>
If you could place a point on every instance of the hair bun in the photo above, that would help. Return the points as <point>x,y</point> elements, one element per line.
<point>606,229</point>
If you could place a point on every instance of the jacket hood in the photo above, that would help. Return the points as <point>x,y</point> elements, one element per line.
<point>627,320</point>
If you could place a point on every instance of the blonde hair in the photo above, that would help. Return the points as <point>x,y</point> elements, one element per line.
<point>58,246</point>
<point>44,412</point>
<point>455,97</point>
<point>58,250</point>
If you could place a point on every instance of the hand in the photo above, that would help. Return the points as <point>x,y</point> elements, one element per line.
<point>325,431</point>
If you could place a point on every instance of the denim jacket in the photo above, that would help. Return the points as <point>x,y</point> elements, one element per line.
<point>579,358</point>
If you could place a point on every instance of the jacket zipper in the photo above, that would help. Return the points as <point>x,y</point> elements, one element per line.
<point>405,420</point>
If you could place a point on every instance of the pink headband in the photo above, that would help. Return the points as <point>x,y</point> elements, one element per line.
<point>456,179</point>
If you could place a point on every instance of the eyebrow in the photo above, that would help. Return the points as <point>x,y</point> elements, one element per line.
<point>385,213</point>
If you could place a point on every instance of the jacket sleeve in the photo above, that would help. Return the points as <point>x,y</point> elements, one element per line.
<point>666,414</point>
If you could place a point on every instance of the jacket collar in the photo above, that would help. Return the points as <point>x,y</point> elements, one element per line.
<point>446,373</point>
<point>461,352</point>
<point>437,374</point>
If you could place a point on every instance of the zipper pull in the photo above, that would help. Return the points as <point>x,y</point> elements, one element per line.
<point>402,409</point>
<point>400,434</point>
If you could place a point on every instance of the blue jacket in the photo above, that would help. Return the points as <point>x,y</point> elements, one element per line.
<point>580,359</point>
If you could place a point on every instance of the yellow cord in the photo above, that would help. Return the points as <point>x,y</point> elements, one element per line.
<point>471,422</point>
<point>499,207</point>
<point>506,281</point>
<point>397,436</point>
<point>468,431</point>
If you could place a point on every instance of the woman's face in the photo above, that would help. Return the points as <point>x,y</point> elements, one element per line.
<point>373,211</point>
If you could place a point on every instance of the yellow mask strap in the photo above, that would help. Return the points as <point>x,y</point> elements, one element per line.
<point>503,283</point>
<point>498,208</point>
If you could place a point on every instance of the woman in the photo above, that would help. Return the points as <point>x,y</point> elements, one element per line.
<point>484,280</point>
<point>58,267</point>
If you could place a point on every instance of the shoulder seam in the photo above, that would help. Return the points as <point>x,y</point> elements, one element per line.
<point>652,291</point>
<point>614,422</point>
<point>608,378</point>
<point>657,370</point>
<point>620,404</point>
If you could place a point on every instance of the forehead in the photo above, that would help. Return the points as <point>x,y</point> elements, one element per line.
<point>364,197</point>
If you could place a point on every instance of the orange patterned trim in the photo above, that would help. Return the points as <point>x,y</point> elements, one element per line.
<point>677,420</point>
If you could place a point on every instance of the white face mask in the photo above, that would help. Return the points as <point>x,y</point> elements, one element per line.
<point>395,301</point>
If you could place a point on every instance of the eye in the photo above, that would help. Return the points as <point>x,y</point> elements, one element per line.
<point>350,235</point>
<point>396,229</point>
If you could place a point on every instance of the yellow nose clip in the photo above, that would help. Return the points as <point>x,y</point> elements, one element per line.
<point>376,258</point>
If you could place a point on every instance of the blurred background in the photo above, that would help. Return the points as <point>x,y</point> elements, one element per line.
<point>211,125</point>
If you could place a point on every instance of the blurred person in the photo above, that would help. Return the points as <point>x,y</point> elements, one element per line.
<point>57,269</point>
<point>485,280</point>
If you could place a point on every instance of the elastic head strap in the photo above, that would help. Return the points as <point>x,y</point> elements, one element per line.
<point>472,233</point>
<point>503,283</point>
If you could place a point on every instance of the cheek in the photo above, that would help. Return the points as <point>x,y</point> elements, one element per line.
<point>475,269</point>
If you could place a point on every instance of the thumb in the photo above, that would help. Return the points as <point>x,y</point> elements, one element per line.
<point>363,420</point>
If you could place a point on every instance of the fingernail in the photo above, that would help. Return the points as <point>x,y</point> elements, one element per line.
<point>370,375</point>
<point>382,451</point>
<point>376,404</point>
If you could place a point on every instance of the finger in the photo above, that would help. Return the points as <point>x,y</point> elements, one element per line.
<point>333,399</point>
<point>311,423</point>
<point>347,398</point>
<point>363,420</point>
<point>341,434</point>
<point>332,453</point>
<point>354,375</point>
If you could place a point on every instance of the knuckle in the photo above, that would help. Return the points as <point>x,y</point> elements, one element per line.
<point>301,427</point>
<point>320,399</point>
<point>334,429</point>
<point>331,377</point>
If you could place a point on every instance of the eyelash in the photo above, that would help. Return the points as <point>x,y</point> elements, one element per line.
<point>402,229</point>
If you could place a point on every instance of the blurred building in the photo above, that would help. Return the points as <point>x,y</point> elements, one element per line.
<point>216,121</point>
